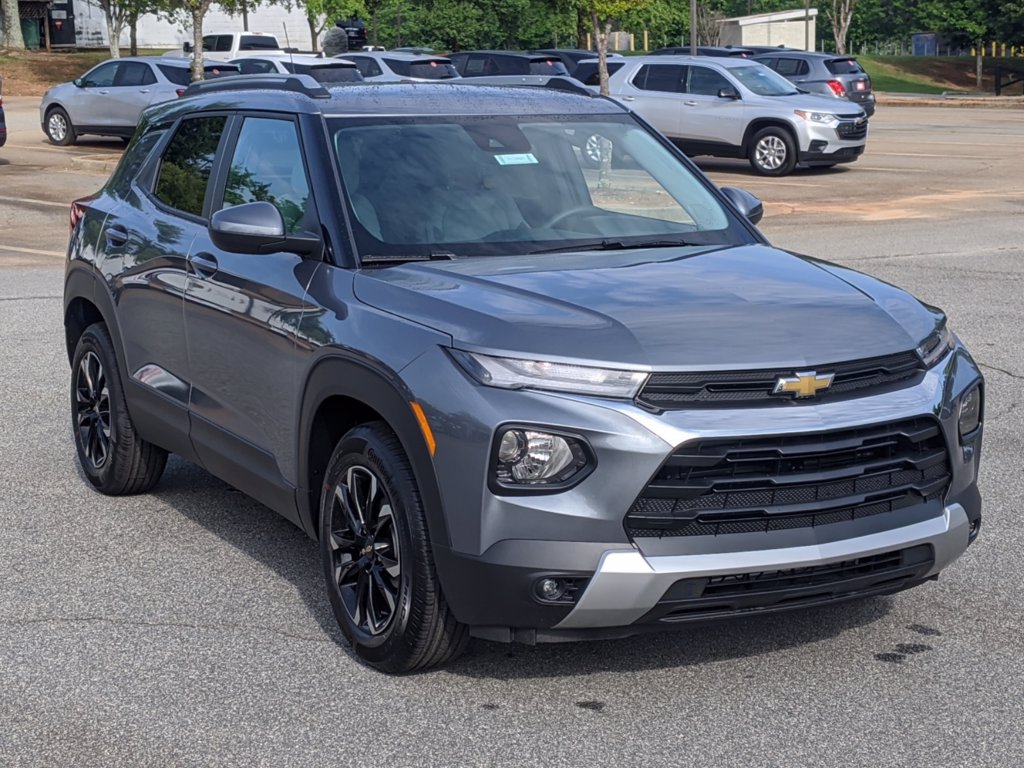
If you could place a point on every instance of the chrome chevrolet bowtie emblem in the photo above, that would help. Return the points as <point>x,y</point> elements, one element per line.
<point>803,383</point>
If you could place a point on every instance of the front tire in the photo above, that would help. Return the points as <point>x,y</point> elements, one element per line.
<point>113,457</point>
<point>377,560</point>
<point>59,129</point>
<point>773,152</point>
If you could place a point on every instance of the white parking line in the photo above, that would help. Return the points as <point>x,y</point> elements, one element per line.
<point>34,201</point>
<point>32,251</point>
<point>945,155</point>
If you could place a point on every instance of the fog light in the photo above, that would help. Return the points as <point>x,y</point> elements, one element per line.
<point>550,589</point>
<point>527,457</point>
<point>970,412</point>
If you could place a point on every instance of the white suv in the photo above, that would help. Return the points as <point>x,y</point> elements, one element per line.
<point>738,108</point>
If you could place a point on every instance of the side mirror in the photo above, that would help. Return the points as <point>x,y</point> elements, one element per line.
<point>186,47</point>
<point>745,203</point>
<point>78,82</point>
<point>728,93</point>
<point>258,228</point>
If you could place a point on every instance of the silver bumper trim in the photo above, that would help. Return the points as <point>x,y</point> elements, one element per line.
<point>627,585</point>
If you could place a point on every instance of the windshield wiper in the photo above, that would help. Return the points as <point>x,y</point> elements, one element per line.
<point>615,245</point>
<point>390,259</point>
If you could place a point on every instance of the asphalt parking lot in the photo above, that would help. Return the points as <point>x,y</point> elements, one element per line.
<point>189,626</point>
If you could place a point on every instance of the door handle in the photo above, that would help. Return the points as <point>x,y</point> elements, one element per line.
<point>144,90</point>
<point>690,103</point>
<point>116,236</point>
<point>203,264</point>
<point>104,92</point>
<point>629,98</point>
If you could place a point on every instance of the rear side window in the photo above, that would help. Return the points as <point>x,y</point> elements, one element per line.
<point>187,162</point>
<point>257,43</point>
<point>267,166</point>
<point>134,73</point>
<point>367,67</point>
<point>177,75</point>
<point>791,67</point>
<point>326,73</point>
<point>255,67</point>
<point>666,78</point>
<point>844,67</point>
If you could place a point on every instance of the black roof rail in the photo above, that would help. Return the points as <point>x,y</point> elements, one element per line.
<point>302,84</point>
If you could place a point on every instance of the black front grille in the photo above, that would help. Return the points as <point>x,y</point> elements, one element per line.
<point>755,485</point>
<point>673,391</point>
<point>707,597</point>
<point>852,130</point>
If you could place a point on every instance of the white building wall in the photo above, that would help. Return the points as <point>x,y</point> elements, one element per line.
<point>155,32</point>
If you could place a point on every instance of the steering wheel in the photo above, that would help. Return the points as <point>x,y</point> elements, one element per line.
<point>562,215</point>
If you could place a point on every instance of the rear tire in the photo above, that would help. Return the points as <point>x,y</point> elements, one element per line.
<point>773,152</point>
<point>113,457</point>
<point>59,129</point>
<point>377,559</point>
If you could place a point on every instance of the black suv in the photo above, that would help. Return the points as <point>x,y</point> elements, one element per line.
<point>511,396</point>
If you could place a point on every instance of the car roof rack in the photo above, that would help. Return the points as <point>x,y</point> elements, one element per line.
<point>302,84</point>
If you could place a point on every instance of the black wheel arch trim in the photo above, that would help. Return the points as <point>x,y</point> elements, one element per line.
<point>760,123</point>
<point>341,375</point>
<point>83,282</point>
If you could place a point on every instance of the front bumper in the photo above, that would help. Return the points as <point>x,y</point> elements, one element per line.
<point>498,546</point>
<point>824,144</point>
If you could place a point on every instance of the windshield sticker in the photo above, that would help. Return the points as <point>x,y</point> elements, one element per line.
<point>524,159</point>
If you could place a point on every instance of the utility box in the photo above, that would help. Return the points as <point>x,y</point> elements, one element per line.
<point>925,43</point>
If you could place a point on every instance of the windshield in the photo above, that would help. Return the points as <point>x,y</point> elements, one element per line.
<point>471,186</point>
<point>763,81</point>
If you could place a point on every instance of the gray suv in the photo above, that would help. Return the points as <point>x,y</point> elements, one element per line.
<point>826,74</point>
<point>510,396</point>
<point>736,107</point>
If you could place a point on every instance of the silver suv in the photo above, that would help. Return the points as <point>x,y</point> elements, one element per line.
<point>739,108</point>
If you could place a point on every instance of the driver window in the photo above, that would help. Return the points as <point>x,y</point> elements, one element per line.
<point>101,77</point>
<point>706,82</point>
<point>267,166</point>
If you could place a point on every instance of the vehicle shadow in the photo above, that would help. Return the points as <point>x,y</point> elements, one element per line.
<point>271,540</point>
<point>4,161</point>
<point>742,168</point>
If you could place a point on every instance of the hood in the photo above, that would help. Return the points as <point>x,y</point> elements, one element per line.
<point>669,309</point>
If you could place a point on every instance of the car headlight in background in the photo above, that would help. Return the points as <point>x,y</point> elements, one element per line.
<point>825,118</point>
<point>532,458</point>
<point>936,347</point>
<point>970,412</point>
<point>513,373</point>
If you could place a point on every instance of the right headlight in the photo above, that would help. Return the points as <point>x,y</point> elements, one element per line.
<point>936,347</point>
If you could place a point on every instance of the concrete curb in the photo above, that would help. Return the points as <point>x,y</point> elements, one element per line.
<point>973,100</point>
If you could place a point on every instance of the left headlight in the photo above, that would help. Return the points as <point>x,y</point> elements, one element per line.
<point>513,373</point>
<point>826,118</point>
<point>936,347</point>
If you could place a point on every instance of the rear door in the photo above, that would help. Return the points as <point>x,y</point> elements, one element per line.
<point>655,91</point>
<point>241,313</point>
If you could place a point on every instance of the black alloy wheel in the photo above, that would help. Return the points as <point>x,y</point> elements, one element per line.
<point>92,412</point>
<point>365,550</point>
<point>377,558</point>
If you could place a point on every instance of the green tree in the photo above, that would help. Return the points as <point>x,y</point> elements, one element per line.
<point>321,14</point>
<point>603,14</point>
<point>965,21</point>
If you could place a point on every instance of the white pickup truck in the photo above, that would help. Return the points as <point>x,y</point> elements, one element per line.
<point>230,45</point>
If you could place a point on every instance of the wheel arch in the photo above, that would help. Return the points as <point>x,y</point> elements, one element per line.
<point>340,393</point>
<point>85,303</point>
<point>768,122</point>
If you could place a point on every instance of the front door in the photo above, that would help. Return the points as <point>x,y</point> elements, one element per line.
<point>708,116</point>
<point>241,313</point>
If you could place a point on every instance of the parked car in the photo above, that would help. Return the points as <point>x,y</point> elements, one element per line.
<point>322,70</point>
<point>827,74</point>
<point>572,57</point>
<point>109,98</point>
<point>355,30</point>
<point>387,66</point>
<point>511,397</point>
<point>726,51</point>
<point>3,120</point>
<point>739,108</point>
<point>587,71</point>
<point>482,63</point>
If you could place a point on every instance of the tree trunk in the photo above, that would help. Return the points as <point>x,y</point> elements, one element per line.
<point>313,32</point>
<point>977,63</point>
<point>114,26</point>
<point>133,34</point>
<point>373,27</point>
<point>12,25</point>
<point>198,12</point>
<point>601,34</point>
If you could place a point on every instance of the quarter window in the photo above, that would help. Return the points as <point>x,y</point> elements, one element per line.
<point>187,162</point>
<point>267,166</point>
